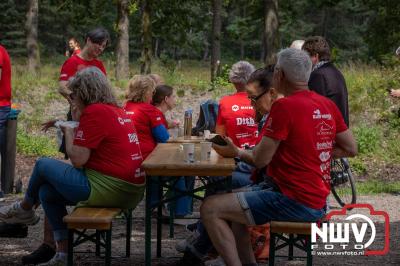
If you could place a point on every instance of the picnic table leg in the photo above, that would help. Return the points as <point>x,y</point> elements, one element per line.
<point>108,247</point>
<point>128,216</point>
<point>159,216</point>
<point>291,241</point>
<point>70,259</point>
<point>148,223</point>
<point>172,211</point>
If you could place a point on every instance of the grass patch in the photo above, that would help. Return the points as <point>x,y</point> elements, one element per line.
<point>34,145</point>
<point>374,186</point>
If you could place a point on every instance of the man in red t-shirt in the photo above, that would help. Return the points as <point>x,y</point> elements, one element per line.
<point>235,113</point>
<point>5,103</point>
<point>302,133</point>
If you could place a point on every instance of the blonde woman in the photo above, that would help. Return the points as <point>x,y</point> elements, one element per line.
<point>148,119</point>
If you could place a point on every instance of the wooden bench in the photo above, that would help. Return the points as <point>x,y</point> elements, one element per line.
<point>299,235</point>
<point>99,219</point>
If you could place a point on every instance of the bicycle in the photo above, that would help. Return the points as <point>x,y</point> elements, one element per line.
<point>343,185</point>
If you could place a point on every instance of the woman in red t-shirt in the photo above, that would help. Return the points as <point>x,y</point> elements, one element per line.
<point>105,155</point>
<point>148,119</point>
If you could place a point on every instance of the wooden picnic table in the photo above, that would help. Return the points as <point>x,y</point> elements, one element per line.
<point>192,139</point>
<point>166,160</point>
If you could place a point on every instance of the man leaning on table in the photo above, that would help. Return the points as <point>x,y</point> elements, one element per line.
<point>303,131</point>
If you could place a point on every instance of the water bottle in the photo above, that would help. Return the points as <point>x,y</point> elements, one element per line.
<point>187,126</point>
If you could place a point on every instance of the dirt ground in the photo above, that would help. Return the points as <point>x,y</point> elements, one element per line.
<point>12,249</point>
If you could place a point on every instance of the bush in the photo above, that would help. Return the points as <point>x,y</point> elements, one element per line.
<point>367,138</point>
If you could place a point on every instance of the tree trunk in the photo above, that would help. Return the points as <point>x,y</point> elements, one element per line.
<point>271,25</point>
<point>216,38</point>
<point>31,27</point>
<point>156,48</point>
<point>146,38</point>
<point>122,67</point>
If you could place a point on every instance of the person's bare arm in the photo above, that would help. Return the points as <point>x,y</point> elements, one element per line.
<point>220,129</point>
<point>345,145</point>
<point>264,151</point>
<point>63,90</point>
<point>1,71</point>
<point>77,154</point>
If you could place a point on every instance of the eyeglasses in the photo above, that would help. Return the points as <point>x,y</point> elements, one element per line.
<point>254,99</point>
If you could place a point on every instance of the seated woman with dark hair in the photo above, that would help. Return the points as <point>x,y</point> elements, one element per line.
<point>105,156</point>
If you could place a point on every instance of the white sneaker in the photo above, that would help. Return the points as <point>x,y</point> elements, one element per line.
<point>58,260</point>
<point>14,214</point>
<point>181,245</point>
<point>219,261</point>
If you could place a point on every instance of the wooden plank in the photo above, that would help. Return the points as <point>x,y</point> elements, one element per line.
<point>91,217</point>
<point>167,160</point>
<point>193,139</point>
<point>291,228</point>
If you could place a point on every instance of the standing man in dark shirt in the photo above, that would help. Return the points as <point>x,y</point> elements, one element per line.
<point>325,78</point>
<point>5,104</point>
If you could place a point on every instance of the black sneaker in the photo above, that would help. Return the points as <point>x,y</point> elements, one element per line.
<point>43,254</point>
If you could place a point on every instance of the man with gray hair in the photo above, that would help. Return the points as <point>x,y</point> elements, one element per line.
<point>235,113</point>
<point>302,133</point>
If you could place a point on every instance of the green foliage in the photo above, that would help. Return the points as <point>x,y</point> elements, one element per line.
<point>367,139</point>
<point>12,19</point>
<point>35,145</point>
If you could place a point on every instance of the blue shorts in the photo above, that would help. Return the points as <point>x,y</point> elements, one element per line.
<point>263,206</point>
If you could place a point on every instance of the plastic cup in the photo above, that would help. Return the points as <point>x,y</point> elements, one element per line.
<point>205,150</point>
<point>206,134</point>
<point>188,152</point>
<point>173,133</point>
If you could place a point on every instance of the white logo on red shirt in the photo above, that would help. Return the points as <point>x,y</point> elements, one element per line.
<point>317,115</point>
<point>136,156</point>
<point>158,118</point>
<point>324,129</point>
<point>130,112</point>
<point>235,108</point>
<point>324,166</point>
<point>248,121</point>
<point>133,138</point>
<point>79,135</point>
<point>324,145</point>
<point>123,121</point>
<point>139,172</point>
<point>324,156</point>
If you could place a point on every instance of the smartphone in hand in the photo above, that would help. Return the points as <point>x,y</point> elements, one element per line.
<point>219,140</point>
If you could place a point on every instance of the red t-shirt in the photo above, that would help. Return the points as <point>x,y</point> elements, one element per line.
<point>111,136</point>
<point>306,124</point>
<point>145,117</point>
<point>5,81</point>
<point>75,52</point>
<point>237,115</point>
<point>75,63</point>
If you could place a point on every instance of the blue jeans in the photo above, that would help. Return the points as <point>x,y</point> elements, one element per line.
<point>4,111</point>
<point>55,185</point>
<point>183,205</point>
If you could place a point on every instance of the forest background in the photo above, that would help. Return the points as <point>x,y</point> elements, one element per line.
<point>193,43</point>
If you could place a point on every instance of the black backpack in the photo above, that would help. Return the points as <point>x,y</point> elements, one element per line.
<point>207,117</point>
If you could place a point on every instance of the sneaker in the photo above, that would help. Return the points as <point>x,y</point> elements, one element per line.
<point>219,261</point>
<point>58,260</point>
<point>14,214</point>
<point>183,244</point>
<point>42,254</point>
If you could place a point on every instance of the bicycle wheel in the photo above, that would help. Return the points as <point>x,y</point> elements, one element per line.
<point>343,185</point>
